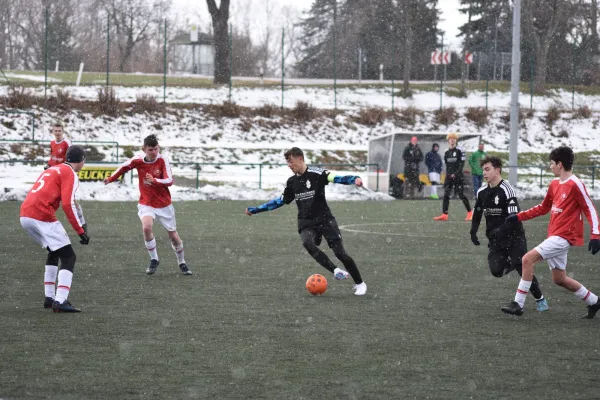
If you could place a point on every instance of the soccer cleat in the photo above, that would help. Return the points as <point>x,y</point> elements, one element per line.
<point>152,267</point>
<point>513,308</point>
<point>184,269</point>
<point>542,305</point>
<point>64,307</point>
<point>360,289</point>
<point>48,302</point>
<point>340,274</point>
<point>469,216</point>
<point>434,197</point>
<point>592,310</point>
<point>443,217</point>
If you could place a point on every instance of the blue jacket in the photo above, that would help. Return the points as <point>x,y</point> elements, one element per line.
<point>434,162</point>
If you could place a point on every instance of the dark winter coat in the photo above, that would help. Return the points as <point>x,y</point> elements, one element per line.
<point>412,156</point>
<point>433,160</point>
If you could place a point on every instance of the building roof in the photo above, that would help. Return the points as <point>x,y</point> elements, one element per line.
<point>184,39</point>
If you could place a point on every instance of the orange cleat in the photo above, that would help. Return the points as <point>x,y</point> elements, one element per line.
<point>443,217</point>
<point>469,216</point>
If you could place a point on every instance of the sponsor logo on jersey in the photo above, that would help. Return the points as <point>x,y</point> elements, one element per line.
<point>556,209</point>
<point>305,196</point>
<point>497,200</point>
<point>157,172</point>
<point>564,195</point>
<point>308,184</point>
<point>493,211</point>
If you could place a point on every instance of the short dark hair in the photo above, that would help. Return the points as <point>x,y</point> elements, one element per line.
<point>57,125</point>
<point>495,161</point>
<point>150,141</point>
<point>564,155</point>
<point>293,152</point>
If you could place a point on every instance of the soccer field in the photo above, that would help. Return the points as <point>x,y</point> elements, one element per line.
<point>243,326</point>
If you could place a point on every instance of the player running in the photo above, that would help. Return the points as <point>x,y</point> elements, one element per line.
<point>56,185</point>
<point>454,158</point>
<point>155,177</point>
<point>566,200</point>
<point>58,147</point>
<point>315,219</point>
<point>496,199</point>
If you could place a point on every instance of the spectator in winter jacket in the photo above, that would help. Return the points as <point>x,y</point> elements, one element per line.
<point>476,170</point>
<point>412,156</point>
<point>434,164</point>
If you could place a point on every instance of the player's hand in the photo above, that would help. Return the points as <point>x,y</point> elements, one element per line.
<point>84,226</point>
<point>106,181</point>
<point>84,238</point>
<point>475,239</point>
<point>358,182</point>
<point>46,166</point>
<point>512,219</point>
<point>148,180</point>
<point>248,213</point>
<point>594,246</point>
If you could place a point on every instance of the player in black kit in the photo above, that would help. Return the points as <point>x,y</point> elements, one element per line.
<point>454,158</point>
<point>496,199</point>
<point>315,220</point>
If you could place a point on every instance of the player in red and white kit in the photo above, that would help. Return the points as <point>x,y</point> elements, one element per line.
<point>155,176</point>
<point>56,185</point>
<point>58,147</point>
<point>567,199</point>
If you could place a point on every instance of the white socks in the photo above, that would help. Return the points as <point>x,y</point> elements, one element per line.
<point>65,277</point>
<point>179,253</point>
<point>151,247</point>
<point>522,291</point>
<point>50,280</point>
<point>588,297</point>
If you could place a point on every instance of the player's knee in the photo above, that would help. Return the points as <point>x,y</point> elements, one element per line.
<point>340,252</point>
<point>52,258</point>
<point>147,229</point>
<point>558,279</point>
<point>310,245</point>
<point>67,258</point>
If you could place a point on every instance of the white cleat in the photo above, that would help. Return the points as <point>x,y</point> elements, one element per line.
<point>340,274</point>
<point>360,289</point>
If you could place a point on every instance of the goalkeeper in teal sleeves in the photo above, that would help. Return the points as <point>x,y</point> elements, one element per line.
<point>315,220</point>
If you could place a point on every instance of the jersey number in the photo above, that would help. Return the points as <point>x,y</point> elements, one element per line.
<point>41,182</point>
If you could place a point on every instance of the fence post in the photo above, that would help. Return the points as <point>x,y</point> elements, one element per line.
<point>230,59</point>
<point>282,66</point>
<point>164,66</point>
<point>197,176</point>
<point>377,181</point>
<point>541,172</point>
<point>45,51</point>
<point>593,174</point>
<point>260,176</point>
<point>107,50</point>
<point>392,95</point>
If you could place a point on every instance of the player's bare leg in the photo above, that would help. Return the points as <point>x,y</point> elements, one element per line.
<point>560,278</point>
<point>177,245</point>
<point>147,223</point>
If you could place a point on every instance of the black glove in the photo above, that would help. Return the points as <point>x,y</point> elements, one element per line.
<point>594,246</point>
<point>84,238</point>
<point>511,219</point>
<point>475,239</point>
<point>46,167</point>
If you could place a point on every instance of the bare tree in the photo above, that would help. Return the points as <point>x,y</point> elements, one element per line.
<point>220,19</point>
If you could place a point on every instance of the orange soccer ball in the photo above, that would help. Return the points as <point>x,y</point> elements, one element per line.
<point>316,284</point>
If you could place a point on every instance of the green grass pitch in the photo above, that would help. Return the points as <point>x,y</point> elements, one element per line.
<point>243,326</point>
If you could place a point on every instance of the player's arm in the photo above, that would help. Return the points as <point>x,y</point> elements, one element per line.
<point>541,209</point>
<point>512,208</point>
<point>591,214</point>
<point>167,173</point>
<point>125,167</point>
<point>69,185</point>
<point>286,198</point>
<point>344,180</point>
<point>477,214</point>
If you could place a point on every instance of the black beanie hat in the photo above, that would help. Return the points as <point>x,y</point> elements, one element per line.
<point>75,154</point>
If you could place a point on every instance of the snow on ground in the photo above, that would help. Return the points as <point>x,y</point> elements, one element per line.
<point>348,98</point>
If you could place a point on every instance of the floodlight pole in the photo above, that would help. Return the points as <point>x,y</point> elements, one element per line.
<point>513,159</point>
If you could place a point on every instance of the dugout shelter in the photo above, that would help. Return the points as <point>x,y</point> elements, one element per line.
<point>386,151</point>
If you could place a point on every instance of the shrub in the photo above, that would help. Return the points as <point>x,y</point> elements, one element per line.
<point>452,92</point>
<point>303,111</point>
<point>147,103</point>
<point>266,110</point>
<point>583,112</point>
<point>404,94</point>
<point>229,109</point>
<point>409,115</point>
<point>62,101</point>
<point>446,116</point>
<point>108,103</point>
<point>371,116</point>
<point>128,151</point>
<point>19,97</point>
<point>246,125</point>
<point>552,115</point>
<point>479,115</point>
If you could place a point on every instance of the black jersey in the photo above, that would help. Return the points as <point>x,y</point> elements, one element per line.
<point>308,190</point>
<point>455,161</point>
<point>496,203</point>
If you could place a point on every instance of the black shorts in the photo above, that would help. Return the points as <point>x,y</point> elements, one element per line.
<point>328,228</point>
<point>506,256</point>
<point>457,183</point>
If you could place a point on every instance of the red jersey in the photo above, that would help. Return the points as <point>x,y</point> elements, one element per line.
<point>566,201</point>
<point>55,185</point>
<point>156,195</point>
<point>58,151</point>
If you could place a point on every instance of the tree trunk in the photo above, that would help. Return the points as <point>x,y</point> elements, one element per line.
<point>594,27</point>
<point>220,19</point>
<point>541,55</point>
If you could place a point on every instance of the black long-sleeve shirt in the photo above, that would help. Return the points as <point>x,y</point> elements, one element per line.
<point>455,161</point>
<point>497,203</point>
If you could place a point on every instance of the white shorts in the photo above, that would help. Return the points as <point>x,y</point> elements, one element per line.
<point>554,250</point>
<point>434,177</point>
<point>50,235</point>
<point>165,215</point>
